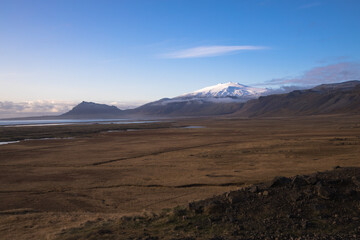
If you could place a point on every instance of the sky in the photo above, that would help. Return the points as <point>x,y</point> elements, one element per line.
<point>57,53</point>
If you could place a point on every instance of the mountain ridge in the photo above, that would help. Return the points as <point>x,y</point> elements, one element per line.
<point>334,98</point>
<point>337,98</point>
<point>91,109</point>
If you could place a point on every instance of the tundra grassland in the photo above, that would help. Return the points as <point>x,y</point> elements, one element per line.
<point>108,171</point>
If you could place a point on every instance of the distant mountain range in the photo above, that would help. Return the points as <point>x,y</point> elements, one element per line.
<point>338,98</point>
<point>214,100</point>
<point>238,100</point>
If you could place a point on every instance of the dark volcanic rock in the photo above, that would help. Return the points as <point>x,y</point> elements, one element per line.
<point>299,181</point>
<point>234,197</point>
<point>280,181</point>
<point>356,181</point>
<point>214,207</point>
<point>325,205</point>
<point>302,207</point>
<point>254,189</point>
<point>324,192</point>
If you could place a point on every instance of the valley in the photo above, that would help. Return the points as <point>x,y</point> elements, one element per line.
<point>50,185</point>
<point>179,120</point>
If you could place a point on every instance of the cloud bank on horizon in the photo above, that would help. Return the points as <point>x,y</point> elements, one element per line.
<point>331,73</point>
<point>9,109</point>
<point>210,51</point>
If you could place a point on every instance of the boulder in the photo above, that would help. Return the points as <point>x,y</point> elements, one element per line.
<point>253,189</point>
<point>280,182</point>
<point>196,207</point>
<point>323,191</point>
<point>214,207</point>
<point>234,197</point>
<point>355,181</point>
<point>299,181</point>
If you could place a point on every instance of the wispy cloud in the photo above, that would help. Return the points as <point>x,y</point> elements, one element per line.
<point>334,59</point>
<point>209,51</point>
<point>332,73</point>
<point>310,5</point>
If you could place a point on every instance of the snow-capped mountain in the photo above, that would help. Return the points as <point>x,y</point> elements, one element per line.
<point>227,90</point>
<point>222,98</point>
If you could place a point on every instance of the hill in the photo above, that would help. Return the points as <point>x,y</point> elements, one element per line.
<point>339,98</point>
<point>93,110</point>
<point>189,107</point>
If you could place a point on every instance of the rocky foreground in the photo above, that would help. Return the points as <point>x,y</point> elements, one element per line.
<point>324,205</point>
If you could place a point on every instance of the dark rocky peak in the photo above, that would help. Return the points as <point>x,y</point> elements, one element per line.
<point>91,108</point>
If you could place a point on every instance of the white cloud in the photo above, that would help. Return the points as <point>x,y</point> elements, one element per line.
<point>126,105</point>
<point>209,51</point>
<point>33,108</point>
<point>10,109</point>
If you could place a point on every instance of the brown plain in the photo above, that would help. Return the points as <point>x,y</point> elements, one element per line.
<point>50,185</point>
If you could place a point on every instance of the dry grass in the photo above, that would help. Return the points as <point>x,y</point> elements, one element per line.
<point>63,183</point>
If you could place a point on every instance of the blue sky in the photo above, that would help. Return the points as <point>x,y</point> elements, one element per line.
<point>132,50</point>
